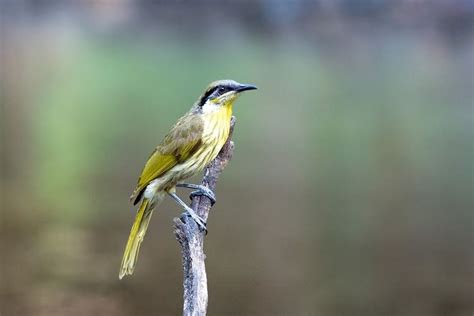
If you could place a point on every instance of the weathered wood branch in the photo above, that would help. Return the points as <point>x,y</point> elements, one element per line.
<point>191,238</point>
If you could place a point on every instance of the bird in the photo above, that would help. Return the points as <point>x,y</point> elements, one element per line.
<point>191,144</point>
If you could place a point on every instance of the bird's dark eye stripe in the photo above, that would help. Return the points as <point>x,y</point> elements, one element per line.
<point>211,92</point>
<point>219,89</point>
<point>222,89</point>
<point>206,96</point>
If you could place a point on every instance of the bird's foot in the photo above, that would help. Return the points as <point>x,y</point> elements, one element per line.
<point>204,191</point>
<point>200,190</point>
<point>199,221</point>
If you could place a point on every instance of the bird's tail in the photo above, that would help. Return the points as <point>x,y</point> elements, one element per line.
<point>137,233</point>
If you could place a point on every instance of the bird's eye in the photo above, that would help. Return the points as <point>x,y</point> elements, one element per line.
<point>221,89</point>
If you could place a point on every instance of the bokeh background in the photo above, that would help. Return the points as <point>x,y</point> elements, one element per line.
<point>350,191</point>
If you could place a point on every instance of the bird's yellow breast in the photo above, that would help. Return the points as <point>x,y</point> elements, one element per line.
<point>214,135</point>
<point>216,126</point>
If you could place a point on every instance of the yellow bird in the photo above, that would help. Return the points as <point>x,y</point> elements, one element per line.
<point>193,142</point>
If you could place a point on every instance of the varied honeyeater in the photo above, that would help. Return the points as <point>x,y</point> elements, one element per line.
<point>191,144</point>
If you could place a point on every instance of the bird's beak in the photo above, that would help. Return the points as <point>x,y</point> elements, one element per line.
<point>245,87</point>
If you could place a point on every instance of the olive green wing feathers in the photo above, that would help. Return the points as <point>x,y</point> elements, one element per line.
<point>179,144</point>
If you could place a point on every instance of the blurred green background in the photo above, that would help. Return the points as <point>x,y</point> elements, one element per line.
<point>350,190</point>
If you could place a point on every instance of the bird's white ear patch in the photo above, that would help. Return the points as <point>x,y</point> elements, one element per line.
<point>210,107</point>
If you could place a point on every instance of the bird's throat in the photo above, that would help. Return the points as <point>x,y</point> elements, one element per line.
<point>217,124</point>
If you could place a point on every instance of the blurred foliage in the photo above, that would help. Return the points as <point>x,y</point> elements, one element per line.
<point>350,191</point>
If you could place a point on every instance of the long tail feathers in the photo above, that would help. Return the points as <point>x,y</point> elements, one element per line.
<point>137,234</point>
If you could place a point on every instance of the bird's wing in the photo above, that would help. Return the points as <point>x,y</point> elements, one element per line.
<point>178,145</point>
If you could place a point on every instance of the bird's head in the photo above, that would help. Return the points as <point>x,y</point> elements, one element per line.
<point>222,92</point>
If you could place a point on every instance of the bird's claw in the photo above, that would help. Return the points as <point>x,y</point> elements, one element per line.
<point>204,191</point>
<point>202,225</point>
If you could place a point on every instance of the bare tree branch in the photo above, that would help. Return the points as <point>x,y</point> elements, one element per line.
<point>191,238</point>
